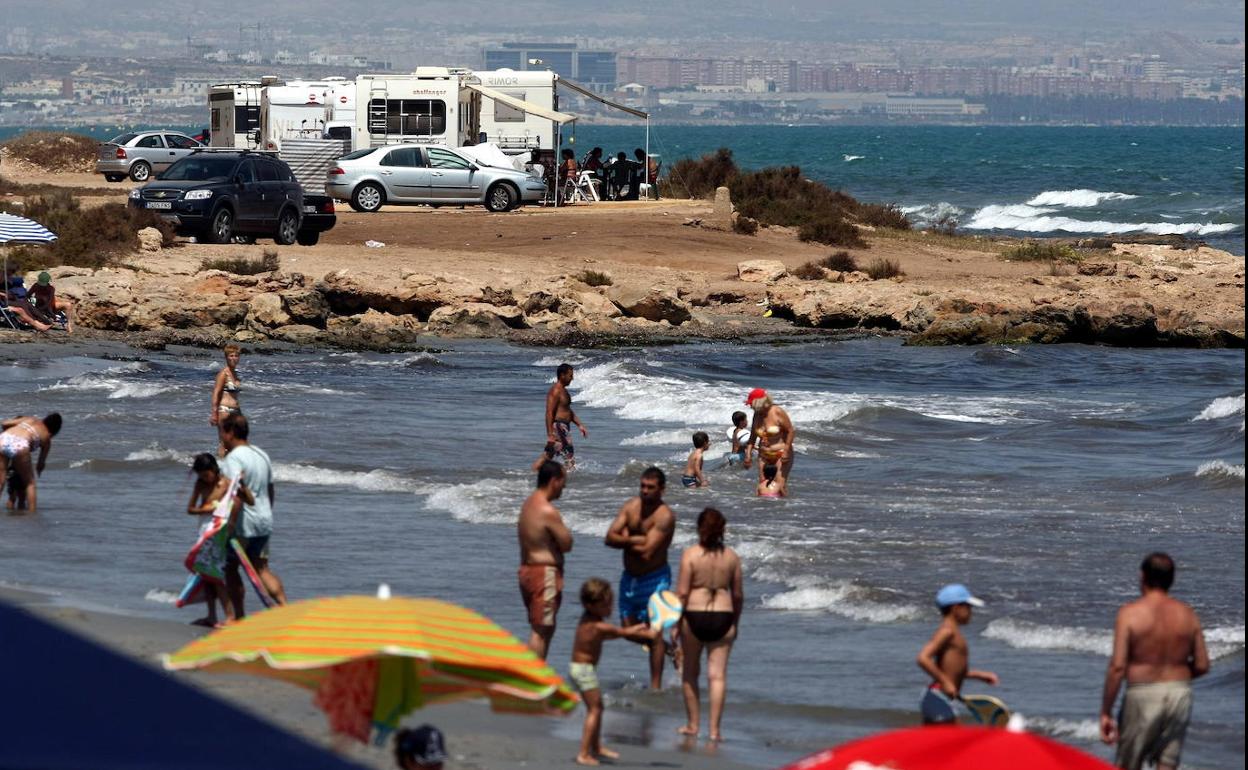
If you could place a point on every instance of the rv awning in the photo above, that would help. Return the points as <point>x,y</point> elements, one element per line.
<point>580,89</point>
<point>522,105</point>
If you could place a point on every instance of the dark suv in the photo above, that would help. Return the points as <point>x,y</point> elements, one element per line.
<point>219,197</point>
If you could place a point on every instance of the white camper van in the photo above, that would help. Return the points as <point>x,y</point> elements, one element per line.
<point>340,109</point>
<point>234,113</point>
<point>432,106</point>
<point>516,131</point>
<point>294,110</point>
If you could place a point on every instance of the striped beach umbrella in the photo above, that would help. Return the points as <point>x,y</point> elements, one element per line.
<point>15,229</point>
<point>373,660</point>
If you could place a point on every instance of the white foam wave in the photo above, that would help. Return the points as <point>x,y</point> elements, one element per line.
<point>489,501</point>
<point>678,437</point>
<point>419,359</point>
<point>160,596</point>
<point>369,481</point>
<point>1030,219</point>
<point>1077,198</point>
<point>1082,730</point>
<point>844,599</point>
<point>574,359</point>
<point>850,158</point>
<point>1221,468</point>
<point>118,388</point>
<point>1228,406</point>
<point>1020,634</point>
<point>157,453</point>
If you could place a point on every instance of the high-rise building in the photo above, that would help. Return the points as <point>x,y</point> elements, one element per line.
<point>592,68</point>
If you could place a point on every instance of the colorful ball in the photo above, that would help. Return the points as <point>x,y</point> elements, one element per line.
<point>664,610</point>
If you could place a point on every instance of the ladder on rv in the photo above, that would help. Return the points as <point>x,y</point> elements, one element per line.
<point>378,117</point>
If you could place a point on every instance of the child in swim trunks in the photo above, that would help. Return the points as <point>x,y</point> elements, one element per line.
<point>591,632</point>
<point>770,486</point>
<point>693,476</point>
<point>739,435</point>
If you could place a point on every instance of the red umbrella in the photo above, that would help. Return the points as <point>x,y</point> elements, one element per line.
<point>951,747</point>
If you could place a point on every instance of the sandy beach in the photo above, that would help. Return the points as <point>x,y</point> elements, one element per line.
<point>477,739</point>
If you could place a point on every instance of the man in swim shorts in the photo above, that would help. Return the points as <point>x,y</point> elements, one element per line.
<point>1159,649</point>
<point>544,539</point>
<point>643,530</point>
<point>560,418</point>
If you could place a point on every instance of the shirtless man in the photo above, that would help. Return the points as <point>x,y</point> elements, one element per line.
<point>766,417</point>
<point>544,539</point>
<point>1159,648</point>
<point>946,657</point>
<point>643,529</point>
<point>560,418</point>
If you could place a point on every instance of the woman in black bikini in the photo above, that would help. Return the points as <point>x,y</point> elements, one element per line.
<point>710,591</point>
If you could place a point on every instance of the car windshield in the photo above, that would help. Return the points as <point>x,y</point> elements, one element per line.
<point>123,140</point>
<point>357,153</point>
<point>199,168</point>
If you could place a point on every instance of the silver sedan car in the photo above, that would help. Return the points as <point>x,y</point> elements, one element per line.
<point>140,154</point>
<point>430,174</point>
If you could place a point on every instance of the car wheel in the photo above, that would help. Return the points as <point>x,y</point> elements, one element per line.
<point>221,230</point>
<point>308,238</point>
<point>368,197</point>
<point>141,171</point>
<point>501,197</point>
<point>287,228</point>
<point>114,177</point>
<point>245,240</point>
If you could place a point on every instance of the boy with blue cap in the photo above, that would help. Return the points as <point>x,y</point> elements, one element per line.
<point>946,656</point>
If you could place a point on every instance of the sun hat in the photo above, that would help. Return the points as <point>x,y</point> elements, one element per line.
<point>45,278</point>
<point>755,394</point>
<point>425,745</point>
<point>956,593</point>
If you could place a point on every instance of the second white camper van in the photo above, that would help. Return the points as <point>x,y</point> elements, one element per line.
<point>430,106</point>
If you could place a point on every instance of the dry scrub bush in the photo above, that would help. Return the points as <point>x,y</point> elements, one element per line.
<point>841,260</point>
<point>884,268</point>
<point>699,178</point>
<point>53,151</point>
<point>86,237</point>
<point>744,225</point>
<point>809,272</point>
<point>594,278</point>
<point>1040,251</point>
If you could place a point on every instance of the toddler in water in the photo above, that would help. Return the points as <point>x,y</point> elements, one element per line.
<point>693,476</point>
<point>591,632</point>
<point>739,435</point>
<point>771,485</point>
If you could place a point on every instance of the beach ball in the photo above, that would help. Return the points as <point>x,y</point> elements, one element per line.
<point>664,610</point>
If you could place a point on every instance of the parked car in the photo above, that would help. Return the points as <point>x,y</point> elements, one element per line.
<point>139,155</point>
<point>218,195</point>
<point>429,174</point>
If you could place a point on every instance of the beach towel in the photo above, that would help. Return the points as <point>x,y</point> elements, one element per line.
<point>206,559</point>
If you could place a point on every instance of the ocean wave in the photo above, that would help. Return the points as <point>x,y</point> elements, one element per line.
<point>161,596</point>
<point>414,361</point>
<point>1077,198</point>
<point>678,437</point>
<point>575,359</point>
<point>1228,406</point>
<point>1031,219</point>
<point>849,158</point>
<point>157,453</point>
<point>1221,469</point>
<point>376,480</point>
<point>1020,634</point>
<point>929,213</point>
<point>844,599</point>
<point>117,387</point>
<point>489,501</point>
<point>1082,730</point>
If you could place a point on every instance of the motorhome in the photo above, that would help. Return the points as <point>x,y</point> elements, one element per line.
<point>340,109</point>
<point>298,109</point>
<point>433,105</point>
<point>234,114</point>
<point>514,130</point>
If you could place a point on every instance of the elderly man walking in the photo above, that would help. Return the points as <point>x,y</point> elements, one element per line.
<point>1159,648</point>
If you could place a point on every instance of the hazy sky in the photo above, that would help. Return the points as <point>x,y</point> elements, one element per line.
<point>783,19</point>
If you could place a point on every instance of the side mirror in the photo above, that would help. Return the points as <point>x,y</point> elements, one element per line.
<point>473,167</point>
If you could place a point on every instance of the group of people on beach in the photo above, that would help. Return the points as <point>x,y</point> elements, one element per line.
<point>38,306</point>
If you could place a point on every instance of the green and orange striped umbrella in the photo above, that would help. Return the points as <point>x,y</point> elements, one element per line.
<point>373,660</point>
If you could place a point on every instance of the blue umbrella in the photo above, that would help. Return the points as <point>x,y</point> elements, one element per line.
<point>15,229</point>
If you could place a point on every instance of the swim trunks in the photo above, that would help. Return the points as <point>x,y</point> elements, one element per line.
<point>1153,723</point>
<point>563,447</point>
<point>541,589</point>
<point>937,708</point>
<point>736,458</point>
<point>636,590</point>
<point>689,481</point>
<point>584,676</point>
<point>256,548</point>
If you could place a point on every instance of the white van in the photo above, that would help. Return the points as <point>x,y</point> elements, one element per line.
<point>430,106</point>
<point>234,114</point>
<point>513,130</point>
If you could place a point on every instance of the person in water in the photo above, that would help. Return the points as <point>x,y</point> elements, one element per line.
<point>946,657</point>
<point>210,487</point>
<point>544,540</point>
<point>591,631</point>
<point>693,476</point>
<point>560,418</point>
<point>20,438</point>
<point>779,442</point>
<point>739,435</point>
<point>711,593</point>
<point>225,391</point>
<point>771,485</point>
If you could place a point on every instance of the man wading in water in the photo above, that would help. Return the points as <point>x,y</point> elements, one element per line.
<point>560,418</point>
<point>643,529</point>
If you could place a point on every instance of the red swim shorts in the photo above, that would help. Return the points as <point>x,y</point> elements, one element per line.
<point>541,587</point>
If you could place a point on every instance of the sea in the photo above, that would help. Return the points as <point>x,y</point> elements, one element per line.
<point>1027,181</point>
<point>1037,475</point>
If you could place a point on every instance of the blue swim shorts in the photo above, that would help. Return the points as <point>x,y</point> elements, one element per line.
<point>635,593</point>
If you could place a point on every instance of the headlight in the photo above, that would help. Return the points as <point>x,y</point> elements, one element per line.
<point>135,194</point>
<point>198,195</point>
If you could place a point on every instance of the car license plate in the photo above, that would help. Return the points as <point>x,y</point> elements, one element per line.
<point>309,209</point>
<point>159,204</point>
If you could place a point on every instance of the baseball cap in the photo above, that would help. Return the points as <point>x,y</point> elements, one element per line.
<point>425,745</point>
<point>956,593</point>
<point>45,278</point>
<point>755,394</point>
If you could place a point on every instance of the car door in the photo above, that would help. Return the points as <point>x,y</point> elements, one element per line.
<point>178,147</point>
<point>404,174</point>
<point>248,196</point>
<point>272,189</point>
<point>452,177</point>
<point>151,148</point>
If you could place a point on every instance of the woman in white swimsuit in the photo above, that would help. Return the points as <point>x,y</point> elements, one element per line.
<point>21,437</point>
<point>225,391</point>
